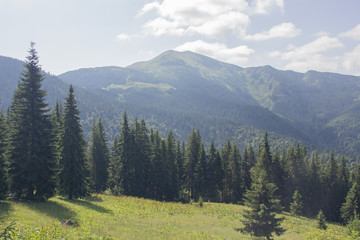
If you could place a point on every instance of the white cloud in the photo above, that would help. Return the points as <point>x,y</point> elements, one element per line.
<point>307,51</point>
<point>205,17</point>
<point>351,60</point>
<point>149,7</point>
<point>236,55</point>
<point>123,36</point>
<point>265,6</point>
<point>353,33</point>
<point>312,55</point>
<point>315,62</point>
<point>229,22</point>
<point>284,30</point>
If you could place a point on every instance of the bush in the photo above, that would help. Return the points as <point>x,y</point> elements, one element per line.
<point>354,228</point>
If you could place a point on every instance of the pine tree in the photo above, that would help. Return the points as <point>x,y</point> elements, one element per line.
<point>237,184</point>
<point>321,220</point>
<point>126,156</point>
<point>170,162</point>
<point>296,207</point>
<point>98,157</point>
<point>215,173</point>
<point>192,158</point>
<point>226,166</point>
<point>201,174</point>
<point>351,208</point>
<point>3,172</point>
<point>261,220</point>
<point>114,180</point>
<point>141,160</point>
<point>315,187</point>
<point>31,142</point>
<point>74,173</point>
<point>333,205</point>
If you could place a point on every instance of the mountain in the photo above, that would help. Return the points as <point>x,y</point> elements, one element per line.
<point>180,90</point>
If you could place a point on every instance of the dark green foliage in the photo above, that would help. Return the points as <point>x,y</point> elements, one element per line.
<point>98,157</point>
<point>315,189</point>
<point>226,193</point>
<point>3,168</point>
<point>334,196</point>
<point>237,182</point>
<point>74,173</point>
<point>126,155</point>
<point>192,159</point>
<point>31,142</point>
<point>354,228</point>
<point>351,208</point>
<point>114,180</point>
<point>215,173</point>
<point>261,220</point>
<point>321,220</point>
<point>296,207</point>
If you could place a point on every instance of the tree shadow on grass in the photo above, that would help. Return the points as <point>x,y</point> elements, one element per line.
<point>5,208</point>
<point>89,205</point>
<point>51,209</point>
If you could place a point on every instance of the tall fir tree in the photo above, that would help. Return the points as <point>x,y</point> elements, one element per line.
<point>74,173</point>
<point>126,156</point>
<point>172,172</point>
<point>333,204</point>
<point>31,142</point>
<point>192,158</point>
<point>215,173</point>
<point>3,168</point>
<point>226,193</point>
<point>237,183</point>
<point>114,180</point>
<point>351,208</point>
<point>201,174</point>
<point>261,220</point>
<point>315,189</point>
<point>98,157</point>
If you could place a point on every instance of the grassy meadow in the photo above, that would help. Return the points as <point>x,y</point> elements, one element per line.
<point>111,217</point>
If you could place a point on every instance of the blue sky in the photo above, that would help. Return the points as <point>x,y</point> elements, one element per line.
<point>297,35</point>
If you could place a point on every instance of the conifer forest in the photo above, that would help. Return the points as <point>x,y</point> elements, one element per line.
<point>43,153</point>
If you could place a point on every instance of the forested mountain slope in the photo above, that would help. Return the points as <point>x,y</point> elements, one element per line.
<point>178,91</point>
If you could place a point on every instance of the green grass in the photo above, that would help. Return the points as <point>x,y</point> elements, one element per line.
<point>110,217</point>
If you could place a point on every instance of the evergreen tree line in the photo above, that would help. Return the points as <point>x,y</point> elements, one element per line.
<point>43,153</point>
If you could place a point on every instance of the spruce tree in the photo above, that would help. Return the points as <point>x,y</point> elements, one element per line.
<point>74,173</point>
<point>296,207</point>
<point>141,159</point>
<point>321,220</point>
<point>215,172</point>
<point>226,194</point>
<point>114,180</point>
<point>201,174</point>
<point>261,220</point>
<point>31,142</point>
<point>237,183</point>
<point>170,162</point>
<point>332,210</point>
<point>3,173</point>
<point>98,157</point>
<point>192,158</point>
<point>126,156</point>
<point>351,208</point>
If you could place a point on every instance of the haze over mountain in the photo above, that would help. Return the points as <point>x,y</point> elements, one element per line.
<point>180,90</point>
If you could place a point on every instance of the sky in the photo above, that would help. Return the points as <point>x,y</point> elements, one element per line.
<point>299,35</point>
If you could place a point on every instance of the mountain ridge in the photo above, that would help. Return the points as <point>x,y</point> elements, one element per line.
<point>210,94</point>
